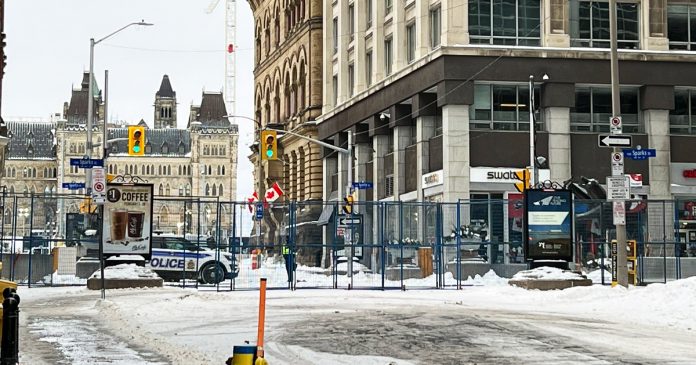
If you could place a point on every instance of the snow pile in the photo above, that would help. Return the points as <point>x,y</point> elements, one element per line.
<point>547,273</point>
<point>58,279</point>
<point>596,276</point>
<point>488,279</point>
<point>126,271</point>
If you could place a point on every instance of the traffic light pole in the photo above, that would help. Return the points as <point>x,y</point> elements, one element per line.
<point>349,184</point>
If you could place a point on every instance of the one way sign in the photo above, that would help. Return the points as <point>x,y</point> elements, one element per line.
<point>614,140</point>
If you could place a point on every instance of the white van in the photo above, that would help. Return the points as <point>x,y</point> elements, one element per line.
<point>174,258</point>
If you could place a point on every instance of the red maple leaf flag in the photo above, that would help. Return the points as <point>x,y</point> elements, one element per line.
<point>251,200</point>
<point>273,193</point>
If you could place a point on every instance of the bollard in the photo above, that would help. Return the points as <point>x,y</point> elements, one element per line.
<point>9,346</point>
<point>242,355</point>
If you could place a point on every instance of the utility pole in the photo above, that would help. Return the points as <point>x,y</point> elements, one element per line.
<point>534,176</point>
<point>621,270</point>
<point>349,191</point>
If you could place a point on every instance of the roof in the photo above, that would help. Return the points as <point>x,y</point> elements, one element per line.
<point>212,112</point>
<point>165,90</point>
<point>77,109</point>
<point>177,142</point>
<point>37,135</point>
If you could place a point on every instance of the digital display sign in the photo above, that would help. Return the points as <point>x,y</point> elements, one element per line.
<point>549,225</point>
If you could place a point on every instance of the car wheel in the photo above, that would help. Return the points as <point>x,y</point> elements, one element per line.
<point>211,274</point>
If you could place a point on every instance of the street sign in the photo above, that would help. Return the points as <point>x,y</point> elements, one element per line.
<point>86,163</point>
<point>346,221</point>
<point>362,185</point>
<point>98,185</point>
<point>74,185</point>
<point>259,211</point>
<point>614,140</point>
<point>619,210</point>
<point>615,124</point>
<point>617,164</point>
<point>618,188</point>
<point>640,154</point>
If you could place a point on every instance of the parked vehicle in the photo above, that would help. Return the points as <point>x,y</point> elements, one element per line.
<point>175,258</point>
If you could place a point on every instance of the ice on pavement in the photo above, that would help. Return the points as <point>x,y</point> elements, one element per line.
<point>126,271</point>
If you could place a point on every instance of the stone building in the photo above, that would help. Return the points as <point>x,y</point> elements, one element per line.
<point>3,128</point>
<point>184,165</point>
<point>288,96</point>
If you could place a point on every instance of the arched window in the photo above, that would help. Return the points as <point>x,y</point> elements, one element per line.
<point>12,189</point>
<point>14,172</point>
<point>55,172</point>
<point>219,170</point>
<point>188,190</point>
<point>181,190</point>
<point>45,172</point>
<point>33,172</point>
<point>165,148</point>
<point>207,189</point>
<point>169,170</point>
<point>210,170</point>
<point>276,102</point>
<point>214,190</point>
<point>277,28</point>
<point>159,169</point>
<point>303,86</point>
<point>161,189</point>
<point>223,170</point>
<point>179,169</point>
<point>220,191</point>
<point>168,190</point>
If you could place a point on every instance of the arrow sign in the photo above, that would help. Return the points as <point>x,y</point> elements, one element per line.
<point>609,140</point>
<point>344,221</point>
<point>642,154</point>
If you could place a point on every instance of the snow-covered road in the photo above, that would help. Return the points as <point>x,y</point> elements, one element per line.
<point>488,324</point>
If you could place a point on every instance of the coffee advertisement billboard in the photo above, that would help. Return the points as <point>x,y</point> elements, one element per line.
<point>128,219</point>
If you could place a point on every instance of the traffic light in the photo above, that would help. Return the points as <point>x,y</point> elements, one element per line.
<point>523,177</point>
<point>348,206</point>
<point>136,141</point>
<point>269,145</point>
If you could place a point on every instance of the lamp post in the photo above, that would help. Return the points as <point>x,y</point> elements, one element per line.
<point>24,214</point>
<point>90,99</point>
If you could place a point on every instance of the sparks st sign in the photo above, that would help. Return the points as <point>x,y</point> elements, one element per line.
<point>640,154</point>
<point>86,163</point>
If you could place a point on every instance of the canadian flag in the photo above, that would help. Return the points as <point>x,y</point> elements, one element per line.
<point>273,193</point>
<point>253,199</point>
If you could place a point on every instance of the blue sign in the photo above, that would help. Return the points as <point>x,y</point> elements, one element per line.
<point>548,223</point>
<point>362,185</point>
<point>259,211</point>
<point>86,163</point>
<point>74,185</point>
<point>642,154</point>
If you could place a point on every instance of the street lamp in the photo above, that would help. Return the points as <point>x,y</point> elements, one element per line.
<point>90,99</point>
<point>23,213</point>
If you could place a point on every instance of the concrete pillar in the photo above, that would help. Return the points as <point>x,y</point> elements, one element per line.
<point>455,152</point>
<point>425,129</point>
<point>402,139</point>
<point>557,120</point>
<point>380,145</point>
<point>657,128</point>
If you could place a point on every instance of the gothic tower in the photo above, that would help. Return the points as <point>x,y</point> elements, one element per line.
<point>165,105</point>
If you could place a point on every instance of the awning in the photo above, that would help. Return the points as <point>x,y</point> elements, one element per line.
<point>326,214</point>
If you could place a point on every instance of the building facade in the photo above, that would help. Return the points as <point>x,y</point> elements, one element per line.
<point>436,94</point>
<point>288,96</point>
<point>198,162</point>
<point>3,128</point>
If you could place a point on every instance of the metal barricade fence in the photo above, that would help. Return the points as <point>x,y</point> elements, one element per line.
<point>394,245</point>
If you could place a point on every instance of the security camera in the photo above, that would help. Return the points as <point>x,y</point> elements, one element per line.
<point>545,77</point>
<point>540,160</point>
<point>384,116</point>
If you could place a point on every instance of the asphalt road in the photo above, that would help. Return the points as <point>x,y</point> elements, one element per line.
<point>474,336</point>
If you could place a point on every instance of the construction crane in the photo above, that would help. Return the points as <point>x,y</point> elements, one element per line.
<point>230,63</point>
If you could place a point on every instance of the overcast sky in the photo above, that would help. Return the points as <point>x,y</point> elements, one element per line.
<point>48,50</point>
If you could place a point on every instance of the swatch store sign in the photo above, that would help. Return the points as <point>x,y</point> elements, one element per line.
<point>128,220</point>
<point>501,175</point>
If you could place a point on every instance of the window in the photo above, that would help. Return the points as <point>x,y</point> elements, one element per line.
<point>368,14</point>
<point>388,56</point>
<point>220,191</point>
<point>681,26</point>
<point>506,22</point>
<point>411,42</point>
<point>682,120</point>
<point>368,68</point>
<point>435,27</point>
<point>502,107</point>
<point>334,85</point>
<point>389,185</point>
<point>207,189</point>
<point>592,110</point>
<point>181,190</point>
<point>351,79</point>
<point>589,24</point>
<point>165,148</point>
<point>387,7</point>
<point>335,35</point>
<point>351,21</point>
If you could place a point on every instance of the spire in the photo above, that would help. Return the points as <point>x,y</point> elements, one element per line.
<point>165,90</point>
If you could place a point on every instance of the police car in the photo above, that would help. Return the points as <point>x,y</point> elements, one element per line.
<point>174,258</point>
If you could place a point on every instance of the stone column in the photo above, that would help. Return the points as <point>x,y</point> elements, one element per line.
<point>455,138</point>
<point>555,24</point>
<point>424,111</point>
<point>400,121</point>
<point>455,22</point>
<point>655,34</point>
<point>556,101</point>
<point>656,101</point>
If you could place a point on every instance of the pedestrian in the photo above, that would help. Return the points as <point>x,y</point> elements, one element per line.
<point>289,262</point>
